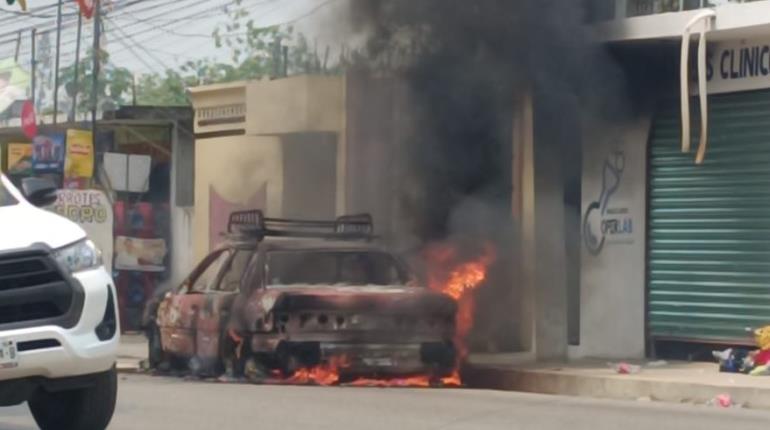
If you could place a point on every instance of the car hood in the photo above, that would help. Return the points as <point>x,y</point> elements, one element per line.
<point>25,225</point>
<point>380,299</point>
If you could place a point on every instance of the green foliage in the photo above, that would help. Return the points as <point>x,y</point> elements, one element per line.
<point>167,90</point>
<point>114,85</point>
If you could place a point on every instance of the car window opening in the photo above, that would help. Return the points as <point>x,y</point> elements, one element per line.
<point>338,268</point>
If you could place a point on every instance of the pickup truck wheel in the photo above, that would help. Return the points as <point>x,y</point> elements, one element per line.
<point>83,409</point>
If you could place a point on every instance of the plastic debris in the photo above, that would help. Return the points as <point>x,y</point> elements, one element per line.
<point>722,356</point>
<point>722,401</point>
<point>734,360</point>
<point>625,368</point>
<point>658,363</point>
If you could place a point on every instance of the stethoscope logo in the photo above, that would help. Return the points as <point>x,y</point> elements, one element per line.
<point>612,172</point>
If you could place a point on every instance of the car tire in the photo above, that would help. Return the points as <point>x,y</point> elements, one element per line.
<point>88,408</point>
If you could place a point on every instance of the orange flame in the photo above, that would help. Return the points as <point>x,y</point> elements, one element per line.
<point>459,281</point>
<point>329,374</point>
<point>324,374</point>
<point>414,381</point>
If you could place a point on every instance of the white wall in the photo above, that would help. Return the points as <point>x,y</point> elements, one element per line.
<point>613,279</point>
<point>181,225</point>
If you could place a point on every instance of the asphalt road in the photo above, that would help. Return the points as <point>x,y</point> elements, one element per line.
<point>165,403</point>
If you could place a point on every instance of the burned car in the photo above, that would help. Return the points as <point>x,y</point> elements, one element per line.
<point>284,295</point>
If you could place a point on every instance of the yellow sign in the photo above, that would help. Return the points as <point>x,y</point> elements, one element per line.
<point>19,158</point>
<point>79,162</point>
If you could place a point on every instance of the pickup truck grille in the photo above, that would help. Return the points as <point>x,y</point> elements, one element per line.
<point>32,288</point>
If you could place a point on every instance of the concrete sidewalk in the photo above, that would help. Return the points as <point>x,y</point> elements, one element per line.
<point>131,353</point>
<point>679,382</point>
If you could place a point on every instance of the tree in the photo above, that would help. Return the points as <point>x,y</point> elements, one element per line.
<point>114,87</point>
<point>167,90</point>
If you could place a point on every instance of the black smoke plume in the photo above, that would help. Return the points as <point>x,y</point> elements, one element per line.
<point>464,62</point>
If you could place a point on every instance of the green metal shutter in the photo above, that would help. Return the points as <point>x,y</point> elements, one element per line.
<point>709,226</point>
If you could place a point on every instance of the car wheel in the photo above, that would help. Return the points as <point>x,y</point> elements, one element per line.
<point>82,409</point>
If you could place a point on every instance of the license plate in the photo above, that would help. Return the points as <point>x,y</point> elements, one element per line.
<point>8,356</point>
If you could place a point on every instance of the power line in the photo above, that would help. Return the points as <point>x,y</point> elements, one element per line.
<point>72,23</point>
<point>32,12</point>
<point>151,55</point>
<point>142,36</point>
<point>309,13</point>
<point>194,16</point>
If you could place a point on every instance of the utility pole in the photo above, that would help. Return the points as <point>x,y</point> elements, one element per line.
<point>18,45</point>
<point>33,65</point>
<point>97,58</point>
<point>74,113</point>
<point>56,67</point>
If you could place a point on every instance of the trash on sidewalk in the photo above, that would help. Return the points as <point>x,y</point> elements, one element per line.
<point>751,362</point>
<point>733,360</point>
<point>658,363</point>
<point>760,371</point>
<point>625,368</point>
<point>722,401</point>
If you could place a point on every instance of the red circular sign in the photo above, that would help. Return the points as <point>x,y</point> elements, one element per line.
<point>28,121</point>
<point>87,7</point>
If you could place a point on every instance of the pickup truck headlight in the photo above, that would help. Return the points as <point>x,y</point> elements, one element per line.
<point>79,256</point>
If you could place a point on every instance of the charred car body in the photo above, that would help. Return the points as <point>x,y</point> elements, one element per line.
<point>282,295</point>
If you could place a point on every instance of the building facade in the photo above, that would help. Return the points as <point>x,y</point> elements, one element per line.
<point>675,243</point>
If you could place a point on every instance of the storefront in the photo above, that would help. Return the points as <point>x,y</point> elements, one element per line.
<point>708,276</point>
<point>119,187</point>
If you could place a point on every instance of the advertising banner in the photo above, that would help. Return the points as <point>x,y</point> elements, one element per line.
<point>48,153</point>
<point>19,159</point>
<point>142,255</point>
<point>28,120</point>
<point>91,210</point>
<point>79,159</point>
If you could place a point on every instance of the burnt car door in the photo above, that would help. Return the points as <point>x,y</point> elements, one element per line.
<point>215,313</point>
<point>178,313</point>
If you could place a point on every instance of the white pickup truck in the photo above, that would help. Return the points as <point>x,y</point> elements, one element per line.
<point>59,329</point>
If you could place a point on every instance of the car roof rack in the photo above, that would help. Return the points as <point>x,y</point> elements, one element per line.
<point>254,224</point>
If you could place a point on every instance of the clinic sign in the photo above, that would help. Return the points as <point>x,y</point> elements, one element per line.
<point>738,66</point>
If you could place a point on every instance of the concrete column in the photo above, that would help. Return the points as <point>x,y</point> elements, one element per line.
<point>539,211</point>
<point>550,253</point>
<point>523,211</point>
<point>342,153</point>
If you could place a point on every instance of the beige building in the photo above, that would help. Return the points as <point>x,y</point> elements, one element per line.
<point>275,145</point>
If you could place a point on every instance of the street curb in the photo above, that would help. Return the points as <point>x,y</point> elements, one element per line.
<point>611,387</point>
<point>128,368</point>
